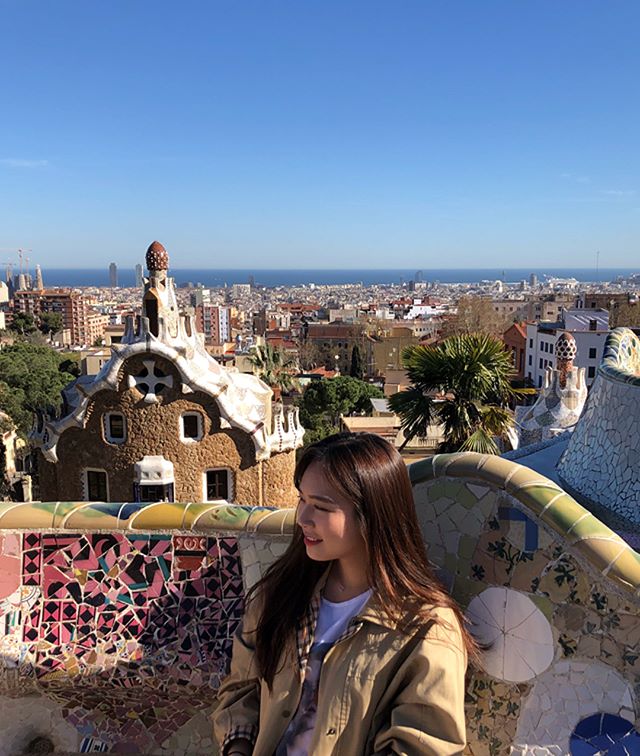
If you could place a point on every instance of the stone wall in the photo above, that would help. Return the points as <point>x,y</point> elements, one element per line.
<point>602,461</point>
<point>154,429</point>
<point>117,619</point>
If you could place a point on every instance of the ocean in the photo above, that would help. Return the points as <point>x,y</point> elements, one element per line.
<point>291,277</point>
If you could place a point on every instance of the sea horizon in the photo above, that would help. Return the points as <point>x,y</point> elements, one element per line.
<point>273,277</point>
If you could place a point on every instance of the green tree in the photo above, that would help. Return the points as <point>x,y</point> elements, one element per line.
<point>31,378</point>
<point>324,401</point>
<point>357,369</point>
<point>50,322</point>
<point>274,367</point>
<point>22,323</point>
<point>70,363</point>
<point>473,372</point>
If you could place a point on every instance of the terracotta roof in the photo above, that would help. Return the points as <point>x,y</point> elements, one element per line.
<point>521,329</point>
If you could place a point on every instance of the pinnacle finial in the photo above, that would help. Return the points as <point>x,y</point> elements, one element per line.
<point>157,257</point>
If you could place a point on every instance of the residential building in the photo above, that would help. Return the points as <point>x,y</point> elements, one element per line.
<point>83,323</point>
<point>603,300</point>
<point>515,340</point>
<point>335,342</point>
<point>548,307</point>
<point>510,309</point>
<point>215,322</point>
<point>240,291</point>
<point>200,296</point>
<point>395,380</point>
<point>387,349</point>
<point>589,328</point>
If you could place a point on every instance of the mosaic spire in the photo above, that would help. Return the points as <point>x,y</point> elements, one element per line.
<point>566,350</point>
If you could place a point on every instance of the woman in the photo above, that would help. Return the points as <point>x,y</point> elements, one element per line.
<point>349,644</point>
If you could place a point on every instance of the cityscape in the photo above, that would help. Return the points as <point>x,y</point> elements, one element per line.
<point>233,231</point>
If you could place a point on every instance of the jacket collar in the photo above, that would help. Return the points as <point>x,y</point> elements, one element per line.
<point>373,611</point>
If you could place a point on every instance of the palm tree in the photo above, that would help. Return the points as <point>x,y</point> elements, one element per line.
<point>274,368</point>
<point>472,371</point>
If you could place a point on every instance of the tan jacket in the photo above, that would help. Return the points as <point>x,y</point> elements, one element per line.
<point>381,691</point>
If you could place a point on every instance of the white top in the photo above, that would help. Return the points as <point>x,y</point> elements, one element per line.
<point>333,619</point>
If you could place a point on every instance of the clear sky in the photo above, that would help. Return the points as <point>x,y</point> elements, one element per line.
<point>332,133</point>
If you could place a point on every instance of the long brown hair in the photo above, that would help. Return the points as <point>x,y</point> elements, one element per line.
<point>369,472</point>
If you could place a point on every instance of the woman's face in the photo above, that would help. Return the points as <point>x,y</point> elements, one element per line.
<point>328,520</point>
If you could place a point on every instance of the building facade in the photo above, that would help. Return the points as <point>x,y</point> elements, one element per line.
<point>215,322</point>
<point>515,340</point>
<point>549,306</point>
<point>335,342</point>
<point>589,328</point>
<point>164,421</point>
<point>83,323</point>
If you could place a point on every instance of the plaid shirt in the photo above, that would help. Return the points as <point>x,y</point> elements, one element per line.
<point>305,634</point>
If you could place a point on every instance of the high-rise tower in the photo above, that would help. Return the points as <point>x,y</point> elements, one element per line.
<point>113,275</point>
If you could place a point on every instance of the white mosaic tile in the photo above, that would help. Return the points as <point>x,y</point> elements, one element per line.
<point>518,636</point>
<point>22,720</point>
<point>565,684</point>
<point>195,738</point>
<point>601,460</point>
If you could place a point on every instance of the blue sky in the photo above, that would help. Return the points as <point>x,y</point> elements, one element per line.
<point>321,134</point>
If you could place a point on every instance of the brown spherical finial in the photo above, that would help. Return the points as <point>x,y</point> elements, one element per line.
<point>157,257</point>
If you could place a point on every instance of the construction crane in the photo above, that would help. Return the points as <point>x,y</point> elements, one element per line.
<point>21,254</point>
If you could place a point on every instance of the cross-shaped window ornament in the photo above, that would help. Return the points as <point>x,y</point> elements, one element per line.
<point>150,381</point>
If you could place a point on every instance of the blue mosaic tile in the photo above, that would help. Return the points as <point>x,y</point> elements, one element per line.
<point>604,735</point>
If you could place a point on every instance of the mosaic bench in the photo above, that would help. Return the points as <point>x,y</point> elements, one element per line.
<point>117,619</point>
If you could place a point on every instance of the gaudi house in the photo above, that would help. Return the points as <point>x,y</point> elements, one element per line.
<point>164,421</point>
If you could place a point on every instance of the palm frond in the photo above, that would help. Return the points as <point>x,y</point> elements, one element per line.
<point>415,410</point>
<point>480,441</point>
<point>496,420</point>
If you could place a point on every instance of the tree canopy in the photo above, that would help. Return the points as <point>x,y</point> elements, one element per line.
<point>50,322</point>
<point>31,377</point>
<point>324,401</point>
<point>23,323</point>
<point>357,368</point>
<point>473,373</point>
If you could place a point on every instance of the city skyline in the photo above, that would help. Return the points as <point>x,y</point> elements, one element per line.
<point>283,136</point>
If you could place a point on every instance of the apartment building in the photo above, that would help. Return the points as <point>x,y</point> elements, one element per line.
<point>215,322</point>
<point>84,324</point>
<point>335,344</point>
<point>549,307</point>
<point>589,328</point>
